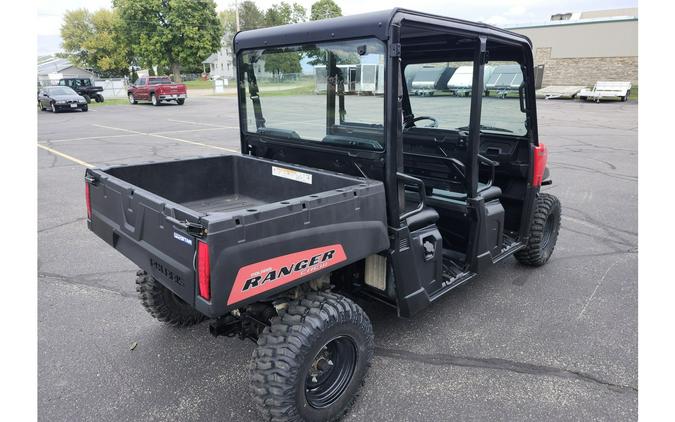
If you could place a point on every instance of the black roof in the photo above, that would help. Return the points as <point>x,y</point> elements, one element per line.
<point>373,24</point>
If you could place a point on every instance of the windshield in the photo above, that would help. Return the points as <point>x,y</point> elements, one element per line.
<point>157,81</point>
<point>443,92</point>
<point>61,90</point>
<point>327,92</point>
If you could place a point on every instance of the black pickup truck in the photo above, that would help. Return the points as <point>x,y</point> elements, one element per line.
<point>84,87</point>
<point>397,199</point>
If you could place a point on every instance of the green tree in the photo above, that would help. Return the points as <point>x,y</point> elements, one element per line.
<point>285,13</point>
<point>92,40</point>
<point>173,33</point>
<point>282,63</point>
<point>324,9</point>
<point>228,20</point>
<point>250,17</point>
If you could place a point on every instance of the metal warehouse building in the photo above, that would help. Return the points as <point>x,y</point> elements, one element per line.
<point>583,48</point>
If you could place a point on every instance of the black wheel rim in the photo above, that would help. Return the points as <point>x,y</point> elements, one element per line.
<point>548,232</point>
<point>331,372</point>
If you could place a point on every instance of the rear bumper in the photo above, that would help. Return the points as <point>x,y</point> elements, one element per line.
<point>167,97</point>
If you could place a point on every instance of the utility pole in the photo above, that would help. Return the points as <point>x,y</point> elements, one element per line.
<point>236,13</point>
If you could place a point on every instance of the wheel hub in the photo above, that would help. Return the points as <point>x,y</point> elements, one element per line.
<point>331,372</point>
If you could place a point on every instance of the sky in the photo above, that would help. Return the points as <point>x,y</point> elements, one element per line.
<point>495,12</point>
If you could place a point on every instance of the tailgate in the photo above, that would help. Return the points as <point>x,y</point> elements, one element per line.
<point>172,89</point>
<point>146,228</point>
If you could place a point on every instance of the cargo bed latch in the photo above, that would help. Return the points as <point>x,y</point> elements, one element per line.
<point>195,229</point>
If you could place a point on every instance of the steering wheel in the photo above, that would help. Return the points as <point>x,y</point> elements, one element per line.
<point>411,123</point>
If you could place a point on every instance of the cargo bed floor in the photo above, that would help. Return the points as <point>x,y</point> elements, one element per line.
<point>222,203</point>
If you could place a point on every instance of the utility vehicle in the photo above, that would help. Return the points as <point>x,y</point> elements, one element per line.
<point>393,198</point>
<point>84,87</point>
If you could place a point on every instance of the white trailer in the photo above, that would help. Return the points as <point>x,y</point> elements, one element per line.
<point>504,79</point>
<point>371,79</point>
<point>462,80</point>
<point>349,74</point>
<point>606,89</point>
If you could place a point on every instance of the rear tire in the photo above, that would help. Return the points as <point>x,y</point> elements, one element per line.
<point>312,360</point>
<point>99,98</point>
<point>543,231</point>
<point>163,304</point>
<point>180,101</point>
<point>155,101</point>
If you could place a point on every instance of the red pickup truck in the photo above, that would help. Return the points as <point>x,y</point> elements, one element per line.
<point>156,89</point>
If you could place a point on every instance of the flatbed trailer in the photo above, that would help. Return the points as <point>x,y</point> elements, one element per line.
<point>606,90</point>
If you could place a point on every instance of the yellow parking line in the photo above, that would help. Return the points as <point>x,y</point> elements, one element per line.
<point>66,156</point>
<point>167,137</point>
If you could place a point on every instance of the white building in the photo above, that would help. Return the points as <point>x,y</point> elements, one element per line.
<point>221,63</point>
<point>54,69</point>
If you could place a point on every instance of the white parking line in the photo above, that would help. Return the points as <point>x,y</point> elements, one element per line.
<point>203,124</point>
<point>86,138</point>
<point>166,137</point>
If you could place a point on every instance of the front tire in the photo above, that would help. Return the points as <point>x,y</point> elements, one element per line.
<point>163,304</point>
<point>311,361</point>
<point>132,100</point>
<point>544,231</point>
<point>180,101</point>
<point>53,108</point>
<point>87,98</point>
<point>85,108</point>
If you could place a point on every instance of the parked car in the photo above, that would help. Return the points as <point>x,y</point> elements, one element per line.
<point>84,87</point>
<point>157,89</point>
<point>60,98</point>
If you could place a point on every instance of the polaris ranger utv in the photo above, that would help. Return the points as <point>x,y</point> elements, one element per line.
<point>395,198</point>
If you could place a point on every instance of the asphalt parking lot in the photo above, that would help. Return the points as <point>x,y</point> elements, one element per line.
<point>516,344</point>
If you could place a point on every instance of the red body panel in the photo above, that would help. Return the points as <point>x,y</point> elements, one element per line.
<point>262,276</point>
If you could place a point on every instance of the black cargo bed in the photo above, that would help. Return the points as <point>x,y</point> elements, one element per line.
<point>227,183</point>
<point>222,203</point>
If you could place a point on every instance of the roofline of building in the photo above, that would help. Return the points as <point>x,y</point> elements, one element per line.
<point>574,22</point>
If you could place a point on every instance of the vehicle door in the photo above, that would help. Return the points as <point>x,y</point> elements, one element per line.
<point>141,91</point>
<point>42,98</point>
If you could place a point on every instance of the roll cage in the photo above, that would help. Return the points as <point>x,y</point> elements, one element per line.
<point>410,37</point>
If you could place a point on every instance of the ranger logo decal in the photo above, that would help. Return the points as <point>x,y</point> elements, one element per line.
<point>257,278</point>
